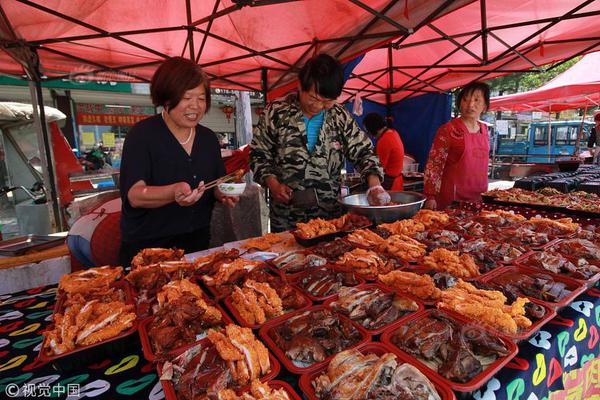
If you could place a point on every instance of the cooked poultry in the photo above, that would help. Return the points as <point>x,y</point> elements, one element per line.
<point>557,263</point>
<point>436,238</point>
<point>352,375</point>
<point>312,336</point>
<point>155,255</point>
<point>365,238</point>
<point>431,218</point>
<point>366,263</point>
<point>246,357</point>
<point>256,302</point>
<point>88,281</point>
<point>488,307</point>
<point>84,324</point>
<point>580,248</point>
<point>462,266</point>
<point>408,227</point>
<point>349,222</point>
<point>333,250</point>
<point>230,273</point>
<point>175,289</point>
<point>371,307</point>
<point>314,228</point>
<point>297,261</point>
<point>421,286</point>
<point>258,391</point>
<point>488,254</point>
<point>454,349</point>
<point>539,286</point>
<point>555,227</point>
<point>500,218</point>
<point>264,242</point>
<point>206,263</point>
<point>324,282</point>
<point>403,247</point>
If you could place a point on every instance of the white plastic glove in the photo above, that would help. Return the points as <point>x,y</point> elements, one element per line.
<point>377,196</point>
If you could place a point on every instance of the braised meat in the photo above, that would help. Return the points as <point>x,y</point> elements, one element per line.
<point>332,250</point>
<point>209,264</point>
<point>580,248</point>
<point>539,286</point>
<point>297,261</point>
<point>355,376</point>
<point>155,255</point>
<point>325,282</point>
<point>312,336</point>
<point>557,263</point>
<point>489,253</point>
<point>371,307</point>
<point>455,349</point>
<point>436,238</point>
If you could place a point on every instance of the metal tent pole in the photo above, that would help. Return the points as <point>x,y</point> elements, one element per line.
<point>580,133</point>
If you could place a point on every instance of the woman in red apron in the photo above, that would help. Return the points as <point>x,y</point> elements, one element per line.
<point>390,151</point>
<point>457,167</point>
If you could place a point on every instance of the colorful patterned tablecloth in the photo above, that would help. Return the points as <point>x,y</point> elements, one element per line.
<point>556,353</point>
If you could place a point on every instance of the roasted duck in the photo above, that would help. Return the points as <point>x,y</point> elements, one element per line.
<point>325,282</point>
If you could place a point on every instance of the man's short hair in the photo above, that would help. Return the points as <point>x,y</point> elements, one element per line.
<point>325,73</point>
<point>173,78</point>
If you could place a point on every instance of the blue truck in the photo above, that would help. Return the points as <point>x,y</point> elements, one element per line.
<point>533,147</point>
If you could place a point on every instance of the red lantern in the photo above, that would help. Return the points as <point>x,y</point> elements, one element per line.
<point>228,110</point>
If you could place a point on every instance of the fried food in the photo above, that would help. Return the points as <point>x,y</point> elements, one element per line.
<point>487,307</point>
<point>403,247</point>
<point>264,242</point>
<point>421,286</point>
<point>228,272</point>
<point>258,391</point>
<point>349,222</point>
<point>408,227</point>
<point>246,357</point>
<point>365,262</point>
<point>256,302</point>
<point>89,323</point>
<point>462,266</point>
<point>563,226</point>
<point>155,255</point>
<point>431,218</point>
<point>314,228</point>
<point>365,238</point>
<point>500,217</point>
<point>88,281</point>
<point>175,289</point>
<point>205,263</point>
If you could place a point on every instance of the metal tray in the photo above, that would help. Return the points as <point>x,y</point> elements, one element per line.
<point>23,244</point>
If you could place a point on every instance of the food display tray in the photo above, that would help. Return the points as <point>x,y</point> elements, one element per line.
<point>229,304</point>
<point>522,262</point>
<point>92,353</point>
<point>287,363</point>
<point>384,289</point>
<point>169,388</point>
<point>576,287</point>
<point>21,245</point>
<point>220,295</point>
<point>378,349</point>
<point>145,337</point>
<point>297,279</point>
<point>469,386</point>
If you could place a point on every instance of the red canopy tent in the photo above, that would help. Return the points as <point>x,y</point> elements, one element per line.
<point>577,87</point>
<point>479,41</point>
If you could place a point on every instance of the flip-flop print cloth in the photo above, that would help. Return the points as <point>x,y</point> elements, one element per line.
<point>563,345</point>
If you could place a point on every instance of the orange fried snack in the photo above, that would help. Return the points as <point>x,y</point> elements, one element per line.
<point>315,227</point>
<point>264,242</point>
<point>258,391</point>
<point>421,286</point>
<point>256,302</point>
<point>461,266</point>
<point>563,226</point>
<point>487,307</point>
<point>408,227</point>
<point>174,289</point>
<point>246,357</point>
<point>365,238</point>
<point>155,255</point>
<point>364,262</point>
<point>403,247</point>
<point>90,280</point>
<point>430,218</point>
<point>227,270</point>
<point>498,215</point>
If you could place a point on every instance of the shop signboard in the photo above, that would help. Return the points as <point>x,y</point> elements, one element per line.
<point>108,139</point>
<point>88,139</point>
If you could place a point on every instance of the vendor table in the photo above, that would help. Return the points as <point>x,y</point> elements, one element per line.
<point>563,345</point>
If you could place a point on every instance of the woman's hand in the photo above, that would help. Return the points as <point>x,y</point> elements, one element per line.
<point>430,204</point>
<point>185,196</point>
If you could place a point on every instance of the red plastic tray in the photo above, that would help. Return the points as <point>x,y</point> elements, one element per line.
<point>320,298</point>
<point>92,353</point>
<point>220,295</point>
<point>384,289</point>
<point>169,388</point>
<point>522,262</point>
<point>378,349</point>
<point>229,304</point>
<point>145,338</point>
<point>576,287</point>
<point>469,386</point>
<point>287,363</point>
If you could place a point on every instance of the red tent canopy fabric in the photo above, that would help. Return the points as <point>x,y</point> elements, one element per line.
<point>577,87</point>
<point>237,42</point>
<point>479,41</point>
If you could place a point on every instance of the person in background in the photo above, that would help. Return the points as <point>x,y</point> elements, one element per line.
<point>300,144</point>
<point>457,167</point>
<point>594,139</point>
<point>390,150</point>
<point>166,160</point>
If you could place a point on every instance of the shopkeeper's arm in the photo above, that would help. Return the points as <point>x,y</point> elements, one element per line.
<point>143,196</point>
<point>434,169</point>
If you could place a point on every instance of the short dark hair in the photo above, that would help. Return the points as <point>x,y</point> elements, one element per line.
<point>173,78</point>
<point>373,122</point>
<point>326,73</point>
<point>597,116</point>
<point>473,87</point>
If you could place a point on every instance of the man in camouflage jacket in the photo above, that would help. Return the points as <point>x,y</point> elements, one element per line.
<point>280,159</point>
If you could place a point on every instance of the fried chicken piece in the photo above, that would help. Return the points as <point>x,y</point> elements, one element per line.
<point>365,238</point>
<point>83,281</point>
<point>562,226</point>
<point>174,289</point>
<point>154,256</point>
<point>264,242</point>
<point>364,262</point>
<point>430,218</point>
<point>315,227</point>
<point>421,286</point>
<point>256,302</point>
<point>408,227</point>
<point>404,247</point>
<point>462,266</point>
<point>227,270</point>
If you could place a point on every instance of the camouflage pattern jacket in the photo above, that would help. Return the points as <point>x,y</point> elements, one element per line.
<point>279,148</point>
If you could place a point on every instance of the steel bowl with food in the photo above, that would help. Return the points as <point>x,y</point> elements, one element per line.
<point>404,205</point>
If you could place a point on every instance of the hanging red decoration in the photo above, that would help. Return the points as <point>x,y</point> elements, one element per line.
<point>259,111</point>
<point>228,110</point>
